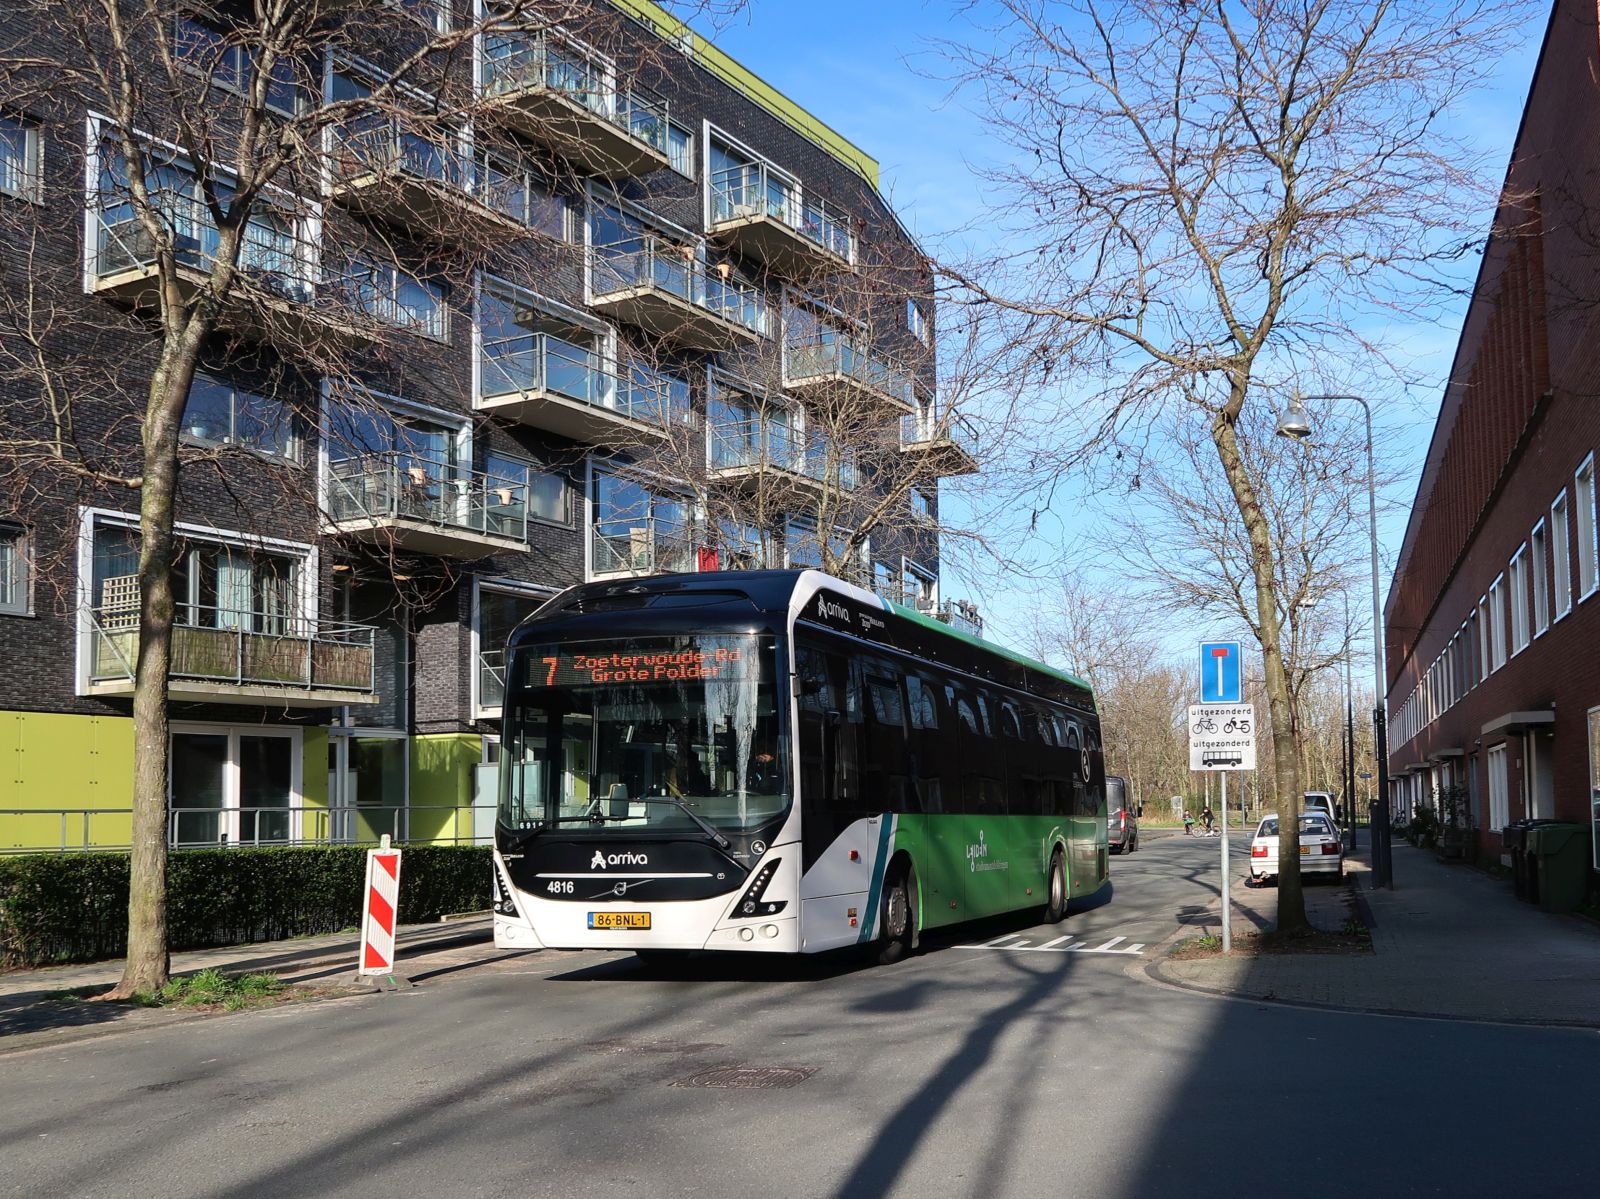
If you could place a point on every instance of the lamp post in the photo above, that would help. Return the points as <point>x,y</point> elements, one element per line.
<point>1296,424</point>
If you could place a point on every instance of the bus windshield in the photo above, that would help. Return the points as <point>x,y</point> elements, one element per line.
<point>595,729</point>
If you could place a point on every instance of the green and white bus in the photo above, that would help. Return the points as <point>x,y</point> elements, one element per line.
<point>780,761</point>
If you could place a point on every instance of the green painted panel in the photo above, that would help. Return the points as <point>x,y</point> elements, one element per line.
<point>985,865</point>
<point>441,785</point>
<point>314,768</point>
<point>49,762</point>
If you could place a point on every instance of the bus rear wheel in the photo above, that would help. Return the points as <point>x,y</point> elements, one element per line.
<point>897,925</point>
<point>1056,906</point>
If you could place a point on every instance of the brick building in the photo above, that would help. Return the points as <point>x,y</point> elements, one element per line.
<point>1494,612</point>
<point>689,333</point>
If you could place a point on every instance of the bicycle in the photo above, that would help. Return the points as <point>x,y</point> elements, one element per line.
<point>1201,830</point>
<point>1205,725</point>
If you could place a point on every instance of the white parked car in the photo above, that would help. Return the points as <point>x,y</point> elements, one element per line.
<point>1321,851</point>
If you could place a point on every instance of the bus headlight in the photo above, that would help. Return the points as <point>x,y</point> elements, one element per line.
<point>752,903</point>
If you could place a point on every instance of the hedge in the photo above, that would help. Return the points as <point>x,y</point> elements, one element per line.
<point>74,907</point>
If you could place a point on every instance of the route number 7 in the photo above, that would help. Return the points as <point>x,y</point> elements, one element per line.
<point>550,675</point>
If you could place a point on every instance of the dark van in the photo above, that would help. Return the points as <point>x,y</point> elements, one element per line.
<point>1122,818</point>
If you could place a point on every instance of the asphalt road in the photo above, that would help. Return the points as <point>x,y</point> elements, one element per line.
<point>1040,1070</point>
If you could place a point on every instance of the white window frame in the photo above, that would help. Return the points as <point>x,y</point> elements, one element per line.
<point>21,541</point>
<point>1497,621</point>
<point>460,422</point>
<point>480,584</point>
<point>1583,497</point>
<point>29,184</point>
<point>229,811</point>
<point>918,321</point>
<point>1497,769</point>
<point>1539,567</point>
<point>610,363</point>
<point>1561,552</point>
<point>1517,581</point>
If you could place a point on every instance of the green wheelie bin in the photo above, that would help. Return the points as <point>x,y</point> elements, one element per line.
<point>1561,859</point>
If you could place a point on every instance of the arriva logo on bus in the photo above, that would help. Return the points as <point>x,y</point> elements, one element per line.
<point>600,861</point>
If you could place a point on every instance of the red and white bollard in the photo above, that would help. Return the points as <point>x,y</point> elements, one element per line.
<point>380,911</point>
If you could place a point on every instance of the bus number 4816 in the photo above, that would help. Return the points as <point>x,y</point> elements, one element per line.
<point>560,886</point>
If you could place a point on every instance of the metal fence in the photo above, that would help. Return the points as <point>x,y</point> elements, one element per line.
<point>661,266</point>
<point>753,189</point>
<point>400,486</point>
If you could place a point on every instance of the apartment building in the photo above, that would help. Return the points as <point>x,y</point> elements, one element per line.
<point>543,295</point>
<point>1494,612</point>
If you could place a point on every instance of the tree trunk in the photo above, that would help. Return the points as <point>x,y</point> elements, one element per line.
<point>1280,705</point>
<point>149,958</point>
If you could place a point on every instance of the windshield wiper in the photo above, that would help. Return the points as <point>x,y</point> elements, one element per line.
<point>596,816</point>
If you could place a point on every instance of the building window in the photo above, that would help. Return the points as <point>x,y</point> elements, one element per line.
<point>498,611</point>
<point>1497,623</point>
<point>15,574</point>
<point>1594,784</point>
<point>21,158</point>
<point>639,529</point>
<point>680,149</point>
<point>922,506</point>
<point>1499,789</point>
<point>231,65</point>
<point>217,414</point>
<point>431,14</point>
<point>1583,523</point>
<point>1561,555</point>
<point>917,321</point>
<point>1520,632</point>
<point>1539,568</point>
<point>234,786</point>
<point>386,293</point>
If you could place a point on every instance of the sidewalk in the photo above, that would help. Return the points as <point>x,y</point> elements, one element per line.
<point>30,1013</point>
<point>1448,941</point>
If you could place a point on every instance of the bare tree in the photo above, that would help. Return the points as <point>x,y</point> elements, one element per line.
<point>219,171</point>
<point>1193,191</point>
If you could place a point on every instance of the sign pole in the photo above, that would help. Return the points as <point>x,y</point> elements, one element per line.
<point>1227,899</point>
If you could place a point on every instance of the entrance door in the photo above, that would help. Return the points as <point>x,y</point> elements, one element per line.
<point>1538,776</point>
<point>199,789</point>
<point>233,786</point>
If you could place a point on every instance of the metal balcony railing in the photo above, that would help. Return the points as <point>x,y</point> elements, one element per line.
<point>923,428</point>
<point>401,486</point>
<point>653,263</point>
<point>549,61</point>
<point>754,190</point>
<point>758,444</point>
<point>212,644</point>
<point>271,257</point>
<point>544,363</point>
<point>642,548</point>
<point>836,356</point>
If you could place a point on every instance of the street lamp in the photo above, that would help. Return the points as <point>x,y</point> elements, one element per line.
<point>1296,424</point>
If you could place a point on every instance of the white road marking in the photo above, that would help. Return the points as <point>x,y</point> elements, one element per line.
<point>1111,948</point>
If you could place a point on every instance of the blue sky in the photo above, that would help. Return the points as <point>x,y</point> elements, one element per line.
<point>863,66</point>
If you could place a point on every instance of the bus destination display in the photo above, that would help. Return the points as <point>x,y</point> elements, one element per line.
<point>655,666</point>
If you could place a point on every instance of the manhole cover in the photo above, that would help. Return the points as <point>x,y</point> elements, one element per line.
<point>749,1077</point>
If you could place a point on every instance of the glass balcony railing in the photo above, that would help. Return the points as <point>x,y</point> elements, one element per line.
<point>228,647</point>
<point>756,444</point>
<point>384,148</point>
<point>920,429</point>
<point>549,61</point>
<point>754,190</point>
<point>398,486</point>
<point>641,548</point>
<point>835,356</point>
<point>272,257</point>
<point>544,364</point>
<point>652,263</point>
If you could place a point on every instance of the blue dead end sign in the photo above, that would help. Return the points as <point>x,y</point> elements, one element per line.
<point>1221,679</point>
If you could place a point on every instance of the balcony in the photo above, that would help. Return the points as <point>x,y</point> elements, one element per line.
<point>547,88</point>
<point>641,548</point>
<point>835,367</point>
<point>756,451</point>
<point>962,615</point>
<point>387,174</point>
<point>419,506</point>
<point>222,656</point>
<point>947,445</point>
<point>761,215</point>
<point>544,382</point>
<point>273,296</point>
<point>667,291</point>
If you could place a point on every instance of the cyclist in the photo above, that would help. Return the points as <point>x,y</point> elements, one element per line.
<point>1188,823</point>
<point>1207,817</point>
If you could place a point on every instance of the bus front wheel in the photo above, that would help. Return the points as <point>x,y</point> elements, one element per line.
<point>1056,907</point>
<point>897,927</point>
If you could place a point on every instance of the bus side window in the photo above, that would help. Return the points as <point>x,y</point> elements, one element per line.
<point>826,743</point>
<point>885,766</point>
<point>927,752</point>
